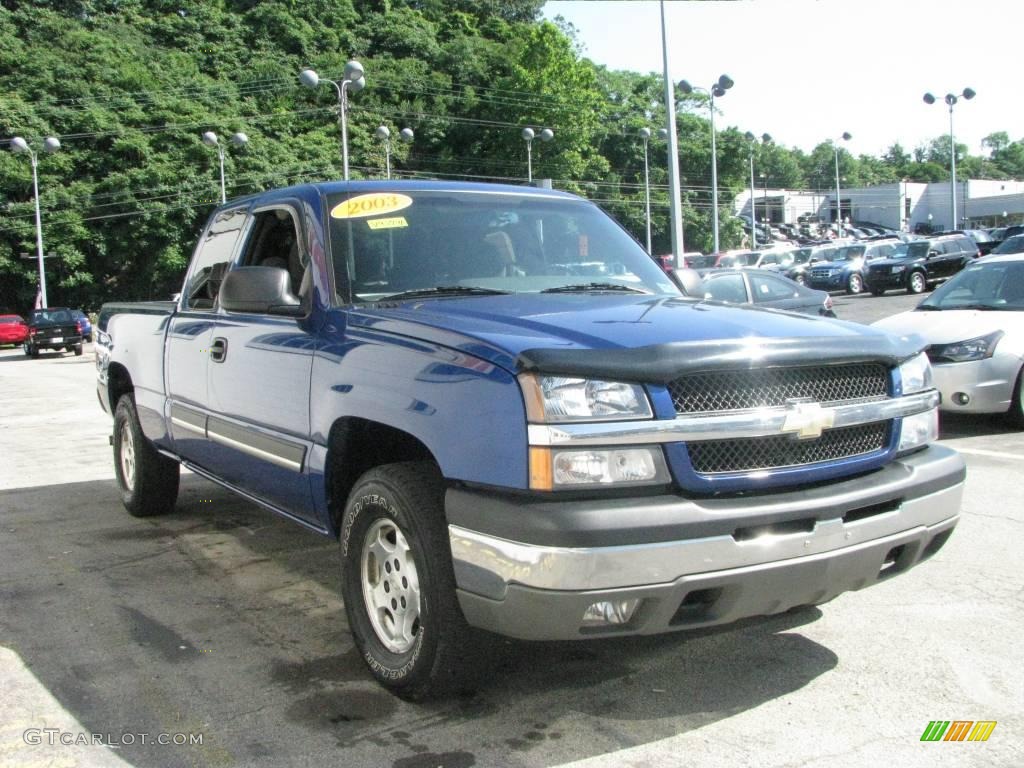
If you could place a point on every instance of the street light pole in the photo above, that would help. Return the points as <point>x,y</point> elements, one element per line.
<point>751,140</point>
<point>210,139</point>
<point>951,99</point>
<point>20,146</point>
<point>528,135</point>
<point>675,195</point>
<point>384,134</point>
<point>645,135</point>
<point>353,79</point>
<point>840,229</point>
<point>723,84</point>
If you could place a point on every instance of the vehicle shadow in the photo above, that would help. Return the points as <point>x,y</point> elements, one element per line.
<point>229,617</point>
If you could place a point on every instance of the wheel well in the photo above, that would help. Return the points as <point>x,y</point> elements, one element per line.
<point>357,445</point>
<point>119,382</point>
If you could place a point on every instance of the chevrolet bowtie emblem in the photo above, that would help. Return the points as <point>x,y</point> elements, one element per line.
<point>808,419</point>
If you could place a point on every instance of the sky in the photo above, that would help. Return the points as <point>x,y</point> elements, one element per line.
<point>807,71</point>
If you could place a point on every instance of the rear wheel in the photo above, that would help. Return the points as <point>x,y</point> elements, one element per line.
<point>398,584</point>
<point>147,480</point>
<point>916,283</point>
<point>78,351</point>
<point>855,284</point>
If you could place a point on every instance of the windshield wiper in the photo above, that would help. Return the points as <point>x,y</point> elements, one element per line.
<point>927,308</point>
<point>582,287</point>
<point>982,307</point>
<point>445,290</point>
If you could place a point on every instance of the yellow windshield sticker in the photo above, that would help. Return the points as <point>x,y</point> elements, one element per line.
<point>395,222</point>
<point>373,204</point>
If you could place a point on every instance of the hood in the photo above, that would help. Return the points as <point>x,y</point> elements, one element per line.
<point>949,325</point>
<point>501,328</point>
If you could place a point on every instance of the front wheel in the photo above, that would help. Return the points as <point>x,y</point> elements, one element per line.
<point>398,584</point>
<point>855,284</point>
<point>1016,412</point>
<point>148,481</point>
<point>916,283</point>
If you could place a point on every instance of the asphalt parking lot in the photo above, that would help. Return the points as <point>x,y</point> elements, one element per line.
<point>224,621</point>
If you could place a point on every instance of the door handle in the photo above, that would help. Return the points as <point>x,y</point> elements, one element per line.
<point>219,349</point>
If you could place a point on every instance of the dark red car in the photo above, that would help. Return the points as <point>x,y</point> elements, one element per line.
<point>13,330</point>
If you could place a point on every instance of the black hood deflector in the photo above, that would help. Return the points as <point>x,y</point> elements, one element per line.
<point>662,363</point>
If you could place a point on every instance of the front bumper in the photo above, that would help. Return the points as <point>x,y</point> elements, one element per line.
<point>825,283</point>
<point>531,569</point>
<point>885,281</point>
<point>987,383</point>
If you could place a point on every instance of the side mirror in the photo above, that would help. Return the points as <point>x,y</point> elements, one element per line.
<point>688,281</point>
<point>260,290</point>
<point>932,253</point>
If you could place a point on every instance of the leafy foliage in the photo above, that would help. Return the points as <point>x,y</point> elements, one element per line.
<point>130,85</point>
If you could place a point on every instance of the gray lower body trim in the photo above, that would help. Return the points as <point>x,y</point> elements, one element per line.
<point>707,598</point>
<point>275,450</point>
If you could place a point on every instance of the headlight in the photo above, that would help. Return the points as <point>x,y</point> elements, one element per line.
<point>552,468</point>
<point>555,399</point>
<point>916,374</point>
<point>918,430</point>
<point>979,348</point>
<point>899,268</point>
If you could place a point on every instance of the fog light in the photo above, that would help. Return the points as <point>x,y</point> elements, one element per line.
<point>919,430</point>
<point>610,612</point>
<point>961,398</point>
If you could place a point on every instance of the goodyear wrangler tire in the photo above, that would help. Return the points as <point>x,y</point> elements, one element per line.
<point>148,481</point>
<point>398,585</point>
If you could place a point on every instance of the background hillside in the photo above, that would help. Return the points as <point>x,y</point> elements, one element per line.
<point>130,86</point>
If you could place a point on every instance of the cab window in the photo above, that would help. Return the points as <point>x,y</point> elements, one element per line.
<point>212,258</point>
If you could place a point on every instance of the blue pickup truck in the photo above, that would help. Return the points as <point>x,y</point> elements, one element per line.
<point>511,419</point>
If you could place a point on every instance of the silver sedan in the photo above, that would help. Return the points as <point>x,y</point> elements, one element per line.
<point>974,328</point>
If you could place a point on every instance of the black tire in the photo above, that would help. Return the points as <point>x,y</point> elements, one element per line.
<point>78,351</point>
<point>26,349</point>
<point>916,282</point>
<point>855,284</point>
<point>402,505</point>
<point>34,351</point>
<point>1016,413</point>
<point>148,481</point>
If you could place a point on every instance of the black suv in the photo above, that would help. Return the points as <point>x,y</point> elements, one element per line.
<point>915,265</point>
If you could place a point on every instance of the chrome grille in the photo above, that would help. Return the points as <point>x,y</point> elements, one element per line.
<point>760,453</point>
<point>772,387</point>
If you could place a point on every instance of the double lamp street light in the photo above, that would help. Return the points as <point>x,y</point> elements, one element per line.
<point>20,146</point>
<point>210,139</point>
<point>719,88</point>
<point>840,230</point>
<point>951,100</point>
<point>354,81</point>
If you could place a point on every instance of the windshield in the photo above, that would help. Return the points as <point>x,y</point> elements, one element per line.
<point>848,253</point>
<point>910,250</point>
<point>10,320</point>
<point>388,243</point>
<point>1013,244</point>
<point>992,285</point>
